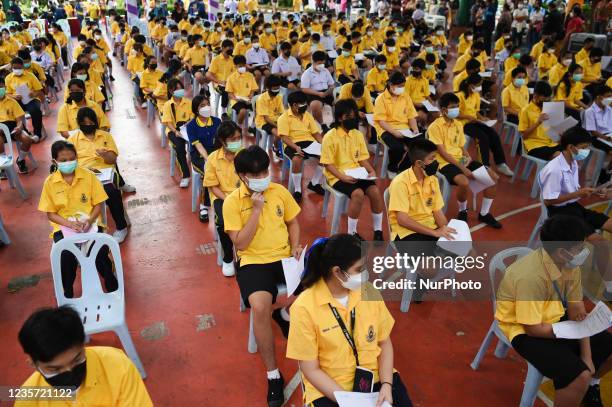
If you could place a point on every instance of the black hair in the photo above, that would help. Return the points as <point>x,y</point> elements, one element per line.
<point>319,56</point>
<point>87,113</point>
<point>17,61</point>
<point>418,63</point>
<point>562,232</point>
<point>273,81</point>
<point>344,107</point>
<point>77,82</point>
<point>566,79</point>
<point>239,59</point>
<point>195,103</point>
<point>226,130</point>
<point>285,46</point>
<point>601,90</point>
<point>24,54</point>
<point>357,89</point>
<point>380,58</point>
<point>251,160</point>
<point>172,86</point>
<point>596,52</point>
<point>397,78</point>
<point>56,148</point>
<point>227,43</point>
<point>174,65</point>
<point>542,89</point>
<point>49,332</point>
<point>341,250</point>
<point>574,136</point>
<point>472,79</point>
<point>525,60</point>
<point>472,65</point>
<point>420,148</point>
<point>298,97</point>
<point>518,70</point>
<point>448,99</point>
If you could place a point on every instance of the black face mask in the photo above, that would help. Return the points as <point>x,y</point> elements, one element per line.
<point>294,41</point>
<point>153,66</point>
<point>37,48</point>
<point>88,128</point>
<point>302,109</point>
<point>287,53</point>
<point>350,124</point>
<point>229,51</point>
<point>77,96</point>
<point>71,378</point>
<point>431,168</point>
<point>416,74</point>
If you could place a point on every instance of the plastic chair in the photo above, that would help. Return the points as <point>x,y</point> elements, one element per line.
<point>385,160</point>
<point>511,135</point>
<point>164,137</point>
<point>100,311</point>
<point>534,377</point>
<point>530,162</point>
<point>4,237</point>
<point>252,343</point>
<point>445,188</point>
<point>29,156</point>
<point>150,112</point>
<point>543,216</point>
<point>341,202</point>
<point>217,96</point>
<point>7,163</point>
<point>600,160</point>
<point>196,187</point>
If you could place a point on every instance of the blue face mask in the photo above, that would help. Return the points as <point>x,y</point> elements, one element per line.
<point>453,113</point>
<point>67,167</point>
<point>234,146</point>
<point>519,82</point>
<point>259,184</point>
<point>581,154</point>
<point>179,93</point>
<point>2,92</point>
<point>577,77</point>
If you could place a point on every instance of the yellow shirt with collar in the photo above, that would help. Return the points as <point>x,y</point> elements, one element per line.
<point>458,79</point>
<point>111,380</point>
<point>92,92</point>
<point>268,106</point>
<point>271,240</point>
<point>537,49</point>
<point>368,42</point>
<point>556,73</point>
<point>575,94</point>
<point>315,334</point>
<point>86,147</point>
<point>376,80</point>
<point>392,58</point>
<point>10,110</point>
<point>448,134</point>
<point>526,294</point>
<point>37,70</point>
<point>538,138</point>
<point>510,63</point>
<point>180,114</point>
<point>70,200</point>
<point>241,84</point>
<point>469,105</point>
<point>149,79</point>
<point>344,150</point>
<point>395,110</point>
<point>345,65</point>
<point>196,56</point>
<point>545,62</point>
<point>222,67</point>
<point>464,44</point>
<point>268,41</point>
<point>417,88</point>
<point>135,65</point>
<point>499,44</point>
<point>581,55</point>
<point>296,129</point>
<point>13,81</point>
<point>241,48</point>
<point>515,98</point>
<point>220,172</point>
<point>364,103</point>
<point>592,72</point>
<point>416,199</point>
<point>67,116</point>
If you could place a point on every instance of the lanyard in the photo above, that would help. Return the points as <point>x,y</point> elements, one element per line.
<point>563,298</point>
<point>347,335</point>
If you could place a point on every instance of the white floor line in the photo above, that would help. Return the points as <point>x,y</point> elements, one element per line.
<point>292,385</point>
<point>507,215</point>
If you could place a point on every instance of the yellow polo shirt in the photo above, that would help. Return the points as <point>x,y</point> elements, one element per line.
<point>222,67</point>
<point>150,79</point>
<point>241,84</point>
<point>220,172</point>
<point>135,64</point>
<point>464,44</point>
<point>297,129</point>
<point>68,200</point>
<point>526,295</point>
<point>469,106</point>
<point>417,88</point>
<point>581,55</point>
<point>536,51</point>
<point>342,150</point>
<point>37,70</point>
<point>364,103</point>
<point>13,81</point>
<point>345,65</point>
<point>392,58</point>
<point>182,112</point>
<point>92,92</point>
<point>592,72</point>
<point>545,62</point>
<point>314,334</point>
<point>196,56</point>
<point>67,116</point>
<point>515,98</point>
<point>395,110</point>
<point>241,48</point>
<point>575,94</point>
<point>458,79</point>
<point>271,240</point>
<point>510,63</point>
<point>538,138</point>
<point>10,110</point>
<point>415,199</point>
<point>450,135</point>
<point>376,80</point>
<point>268,41</point>
<point>111,380</point>
<point>556,73</point>
<point>268,106</point>
<point>86,148</point>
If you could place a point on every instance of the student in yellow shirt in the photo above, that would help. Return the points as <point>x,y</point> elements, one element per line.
<point>67,123</point>
<point>268,109</point>
<point>394,112</point>
<point>390,51</point>
<point>471,67</point>
<point>195,58</point>
<point>535,140</point>
<point>62,41</point>
<point>558,70</point>
<point>92,92</point>
<point>344,148</point>
<point>345,67</point>
<point>176,113</point>
<point>592,69</point>
<point>455,162</point>
<point>570,91</point>
<point>96,150</point>
<point>476,52</point>
<point>11,115</point>
<point>526,62</point>
<point>584,52</point>
<point>546,60</point>
<point>357,92</point>
<point>541,289</point>
<point>221,67</point>
<point>72,198</point>
<point>18,80</point>
<point>513,59</point>
<point>61,359</point>
<point>515,96</point>
<point>416,85</point>
<point>337,292</point>
<point>261,220</point>
<point>241,87</point>
<point>376,80</point>
<point>150,77</point>
<point>465,41</point>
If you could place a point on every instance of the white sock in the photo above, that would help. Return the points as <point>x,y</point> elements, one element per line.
<point>285,314</point>
<point>377,220</point>
<point>297,182</point>
<point>318,175</point>
<point>22,155</point>
<point>202,207</point>
<point>486,206</point>
<point>352,226</point>
<point>273,374</point>
<point>462,206</point>
<point>595,381</point>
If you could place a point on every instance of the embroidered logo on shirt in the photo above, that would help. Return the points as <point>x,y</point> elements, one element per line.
<point>279,211</point>
<point>371,335</point>
<point>429,201</point>
<point>83,198</point>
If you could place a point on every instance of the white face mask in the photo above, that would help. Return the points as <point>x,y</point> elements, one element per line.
<point>478,89</point>
<point>579,259</point>
<point>259,184</point>
<point>256,45</point>
<point>98,37</point>
<point>320,67</point>
<point>398,91</point>
<point>205,111</point>
<point>607,101</point>
<point>247,40</point>
<point>242,69</point>
<point>567,62</point>
<point>391,49</point>
<point>354,281</point>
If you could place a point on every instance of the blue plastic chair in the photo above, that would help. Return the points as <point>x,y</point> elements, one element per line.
<point>530,162</point>
<point>341,202</point>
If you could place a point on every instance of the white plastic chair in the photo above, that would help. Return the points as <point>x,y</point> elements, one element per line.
<point>341,202</point>
<point>385,161</point>
<point>445,188</point>
<point>530,162</point>
<point>509,133</point>
<point>196,188</point>
<point>252,343</point>
<point>534,377</point>
<point>7,163</point>
<point>100,311</point>
<point>4,237</point>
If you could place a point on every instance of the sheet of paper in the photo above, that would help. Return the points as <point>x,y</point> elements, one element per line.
<point>183,131</point>
<point>407,133</point>
<point>293,270</point>
<point>332,54</point>
<point>485,74</point>
<point>23,91</point>
<point>370,118</point>
<point>105,176</point>
<point>4,159</point>
<point>313,149</point>
<point>67,232</point>
<point>430,108</point>
<point>565,124</point>
<point>482,180</point>
<point>598,320</point>
<point>353,399</point>
<point>73,132</point>
<point>358,173</point>
<point>359,57</point>
<point>530,91</point>
<point>432,90</point>
<point>490,123</point>
<point>605,61</point>
<point>462,244</point>
<point>555,112</point>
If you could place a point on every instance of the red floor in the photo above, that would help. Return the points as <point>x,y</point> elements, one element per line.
<point>194,349</point>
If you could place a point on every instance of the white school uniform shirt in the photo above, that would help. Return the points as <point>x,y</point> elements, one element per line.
<point>328,42</point>
<point>290,64</point>
<point>257,56</point>
<point>559,178</point>
<point>319,81</point>
<point>520,25</point>
<point>43,59</point>
<point>598,119</point>
<point>231,6</point>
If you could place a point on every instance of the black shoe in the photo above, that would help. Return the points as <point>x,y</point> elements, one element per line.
<point>298,197</point>
<point>112,78</point>
<point>3,175</point>
<point>324,128</point>
<point>318,189</point>
<point>361,239</point>
<point>592,398</point>
<point>603,177</point>
<point>204,216</point>
<point>276,398</point>
<point>284,325</point>
<point>22,168</point>
<point>490,220</point>
<point>378,236</point>
<point>462,215</point>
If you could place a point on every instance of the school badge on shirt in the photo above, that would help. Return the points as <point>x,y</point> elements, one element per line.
<point>279,211</point>
<point>83,198</point>
<point>429,201</point>
<point>371,335</point>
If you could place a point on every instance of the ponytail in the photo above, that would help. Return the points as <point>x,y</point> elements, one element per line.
<point>341,250</point>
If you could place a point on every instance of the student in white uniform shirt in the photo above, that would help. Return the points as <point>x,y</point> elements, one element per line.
<point>257,59</point>
<point>287,67</point>
<point>598,121</point>
<point>318,85</point>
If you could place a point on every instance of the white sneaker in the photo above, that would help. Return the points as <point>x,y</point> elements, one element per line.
<point>184,182</point>
<point>144,105</point>
<point>228,269</point>
<point>505,170</point>
<point>120,235</point>
<point>128,188</point>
